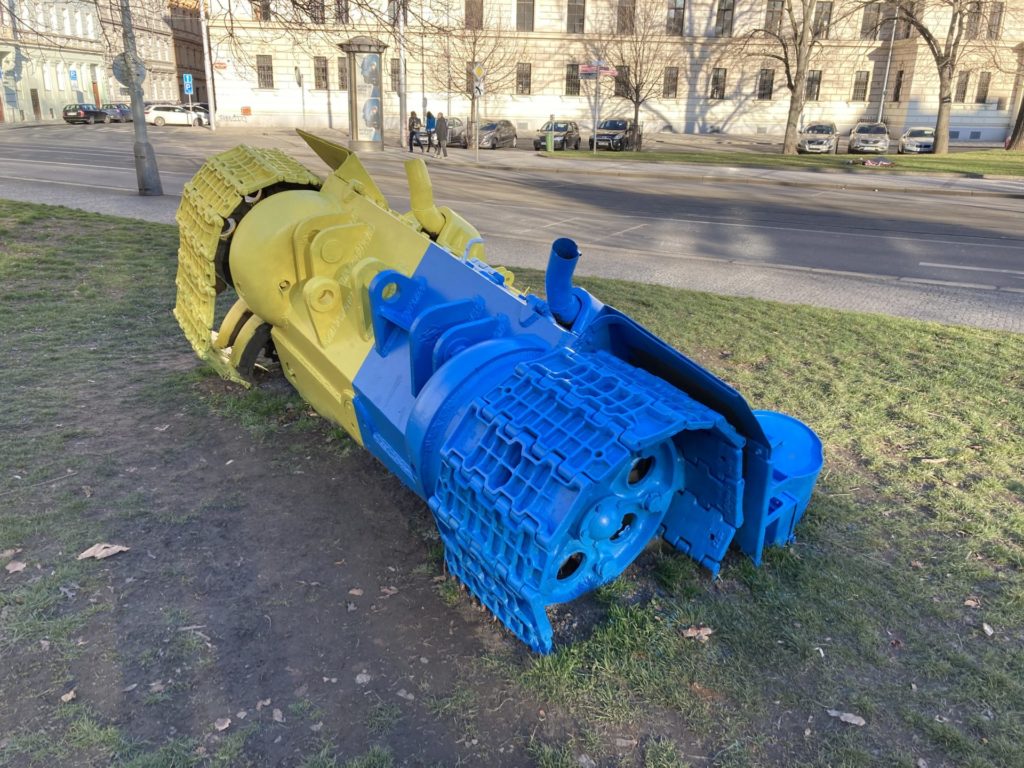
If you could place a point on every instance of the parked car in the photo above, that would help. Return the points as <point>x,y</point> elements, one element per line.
<point>169,114</point>
<point>869,137</point>
<point>121,113</point>
<point>919,140</point>
<point>819,138</point>
<point>566,135</point>
<point>86,113</point>
<point>497,133</point>
<point>616,134</point>
<point>456,134</point>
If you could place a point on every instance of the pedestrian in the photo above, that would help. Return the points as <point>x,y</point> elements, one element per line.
<point>431,127</point>
<point>414,131</point>
<point>442,135</point>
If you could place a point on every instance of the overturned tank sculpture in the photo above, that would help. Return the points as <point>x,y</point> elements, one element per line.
<point>552,439</point>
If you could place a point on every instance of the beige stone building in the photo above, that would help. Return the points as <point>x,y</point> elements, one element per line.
<point>59,52</point>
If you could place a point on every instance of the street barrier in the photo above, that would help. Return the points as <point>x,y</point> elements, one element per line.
<point>552,439</point>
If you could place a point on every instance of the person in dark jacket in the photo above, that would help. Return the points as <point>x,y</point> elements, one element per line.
<point>441,128</point>
<point>414,131</point>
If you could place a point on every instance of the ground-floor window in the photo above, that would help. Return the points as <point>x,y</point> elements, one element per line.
<point>572,79</point>
<point>813,88</point>
<point>265,71</point>
<point>670,86</point>
<point>765,84</point>
<point>524,76</point>
<point>860,85</point>
<point>717,90</point>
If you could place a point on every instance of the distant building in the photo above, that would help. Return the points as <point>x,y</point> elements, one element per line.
<point>277,63</point>
<point>57,53</point>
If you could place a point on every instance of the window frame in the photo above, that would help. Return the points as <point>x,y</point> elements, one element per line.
<point>724,16</point>
<point>625,17</point>
<point>993,28</point>
<point>343,73</point>
<point>675,19</point>
<point>525,15</point>
<point>981,91</point>
<point>765,86</point>
<point>812,85</point>
<point>717,84</point>
<point>821,27</point>
<point>859,81</point>
<point>774,11</point>
<point>264,71</point>
<point>576,17</point>
<point>963,83</point>
<point>572,79</point>
<point>670,76</point>
<point>342,12</point>
<point>321,75</point>
<point>524,78</point>
<point>473,16</point>
<point>622,83</point>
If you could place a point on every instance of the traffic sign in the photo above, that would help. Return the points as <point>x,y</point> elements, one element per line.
<point>478,87</point>
<point>478,71</point>
<point>597,69</point>
<point>188,89</point>
<point>126,68</point>
<point>186,79</point>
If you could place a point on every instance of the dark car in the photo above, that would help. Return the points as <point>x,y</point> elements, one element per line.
<point>566,135</point>
<point>456,134</point>
<point>120,113</point>
<point>819,138</point>
<point>85,113</point>
<point>616,134</point>
<point>497,133</point>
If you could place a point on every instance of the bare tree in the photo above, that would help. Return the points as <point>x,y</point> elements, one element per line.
<point>790,33</point>
<point>638,41</point>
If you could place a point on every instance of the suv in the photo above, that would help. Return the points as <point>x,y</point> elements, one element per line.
<point>617,134</point>
<point>818,138</point>
<point>566,135</point>
<point>85,113</point>
<point>869,137</point>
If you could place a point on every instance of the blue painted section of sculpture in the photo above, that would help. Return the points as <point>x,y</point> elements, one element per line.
<point>554,439</point>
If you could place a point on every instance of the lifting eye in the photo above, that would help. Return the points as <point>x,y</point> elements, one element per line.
<point>570,566</point>
<point>640,469</point>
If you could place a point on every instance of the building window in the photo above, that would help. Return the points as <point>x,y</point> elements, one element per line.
<point>523,77</point>
<point>773,16</point>
<point>972,21</point>
<point>265,71</point>
<point>897,86</point>
<point>574,19</point>
<point>343,73</point>
<point>995,21</point>
<point>717,90</point>
<point>675,25</point>
<point>860,85</point>
<point>813,86</point>
<point>871,22</point>
<point>320,81</point>
<point>316,12</point>
<point>341,12</point>
<point>474,14</point>
<point>625,17</point>
<point>723,19</point>
<point>524,15</point>
<point>822,20</point>
<point>261,10</point>
<point>572,79</point>
<point>765,83</point>
<point>982,95</point>
<point>962,81</point>
<point>622,81</point>
<point>395,70</point>
<point>670,86</point>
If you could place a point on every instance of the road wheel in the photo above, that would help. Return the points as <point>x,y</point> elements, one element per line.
<point>90,120</point>
<point>106,120</point>
<point>158,121</point>
<point>515,142</point>
<point>197,122</point>
<point>494,143</point>
<point>576,146</point>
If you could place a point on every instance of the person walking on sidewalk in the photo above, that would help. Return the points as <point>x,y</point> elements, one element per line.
<point>414,131</point>
<point>431,127</point>
<point>441,127</point>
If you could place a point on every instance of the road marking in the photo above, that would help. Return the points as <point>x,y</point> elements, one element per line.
<point>622,231</point>
<point>560,221</point>
<point>972,269</point>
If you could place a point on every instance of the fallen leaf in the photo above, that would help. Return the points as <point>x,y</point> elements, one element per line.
<point>389,591</point>
<point>404,694</point>
<point>330,679</point>
<point>44,645</point>
<point>848,717</point>
<point>156,687</point>
<point>921,763</point>
<point>356,592</point>
<point>164,429</point>
<point>987,629</point>
<point>69,696</point>
<point>262,703</point>
<point>8,553</point>
<point>807,732</point>
<point>102,551</point>
<point>87,491</point>
<point>625,743</point>
<point>241,714</point>
<point>316,727</point>
<point>363,678</point>
<point>129,688</point>
<point>973,602</point>
<point>700,634</point>
<point>916,564</point>
<point>222,724</point>
<point>15,566</point>
<point>930,460</point>
<point>350,607</point>
<point>278,716</point>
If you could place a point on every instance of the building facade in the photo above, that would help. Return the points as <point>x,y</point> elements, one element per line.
<point>57,53</point>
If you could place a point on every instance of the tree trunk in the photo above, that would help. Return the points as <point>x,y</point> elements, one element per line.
<point>1016,138</point>
<point>796,108</point>
<point>636,126</point>
<point>942,121</point>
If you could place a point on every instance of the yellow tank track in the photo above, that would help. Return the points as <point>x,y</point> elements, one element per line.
<point>224,183</point>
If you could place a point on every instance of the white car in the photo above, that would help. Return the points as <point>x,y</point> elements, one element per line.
<point>919,140</point>
<point>168,114</point>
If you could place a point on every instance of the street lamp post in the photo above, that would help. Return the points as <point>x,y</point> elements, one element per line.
<point>146,171</point>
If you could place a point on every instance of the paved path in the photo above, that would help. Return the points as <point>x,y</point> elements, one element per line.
<point>967,305</point>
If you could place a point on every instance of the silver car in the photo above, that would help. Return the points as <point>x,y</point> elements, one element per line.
<point>917,140</point>
<point>869,137</point>
<point>819,138</point>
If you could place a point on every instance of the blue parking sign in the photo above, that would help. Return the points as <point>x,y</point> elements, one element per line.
<point>73,74</point>
<point>186,79</point>
<point>188,89</point>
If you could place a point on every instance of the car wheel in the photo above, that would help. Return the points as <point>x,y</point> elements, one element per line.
<point>106,120</point>
<point>494,143</point>
<point>158,121</point>
<point>90,120</point>
<point>576,146</point>
<point>197,122</point>
<point>515,142</point>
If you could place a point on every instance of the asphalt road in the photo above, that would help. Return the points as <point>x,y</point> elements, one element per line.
<point>639,226</point>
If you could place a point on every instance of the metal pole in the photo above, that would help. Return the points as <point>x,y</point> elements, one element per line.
<point>888,63</point>
<point>207,63</point>
<point>597,108</point>
<point>402,117</point>
<point>146,171</point>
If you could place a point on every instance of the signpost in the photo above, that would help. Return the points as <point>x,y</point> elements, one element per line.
<point>186,81</point>
<point>595,70</point>
<point>478,91</point>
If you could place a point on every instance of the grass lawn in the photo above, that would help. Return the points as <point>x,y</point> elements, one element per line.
<point>901,603</point>
<point>989,162</point>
